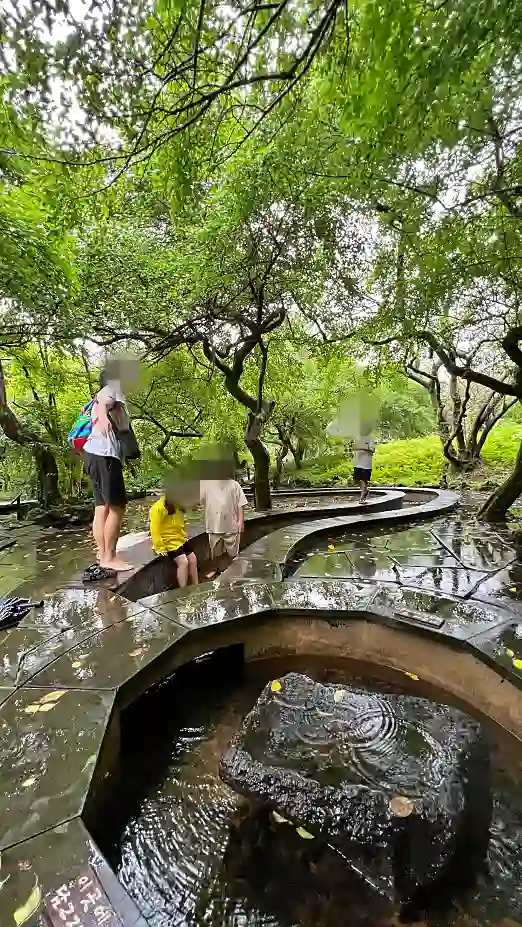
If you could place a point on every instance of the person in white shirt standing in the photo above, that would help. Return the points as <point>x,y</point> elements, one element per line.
<point>363,451</point>
<point>223,503</point>
<point>104,465</point>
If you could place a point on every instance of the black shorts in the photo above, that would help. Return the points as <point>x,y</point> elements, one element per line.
<point>360,473</point>
<point>106,475</point>
<point>185,548</point>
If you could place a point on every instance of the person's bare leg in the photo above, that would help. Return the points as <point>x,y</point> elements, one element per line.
<point>182,568</point>
<point>364,491</point>
<point>111,535</point>
<point>98,530</point>
<point>193,577</point>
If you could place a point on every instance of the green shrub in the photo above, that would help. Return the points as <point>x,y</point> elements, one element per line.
<point>413,461</point>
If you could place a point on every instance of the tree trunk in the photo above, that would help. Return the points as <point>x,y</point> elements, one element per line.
<point>298,453</point>
<point>278,471</point>
<point>496,506</point>
<point>47,476</point>
<point>261,457</point>
<point>45,461</point>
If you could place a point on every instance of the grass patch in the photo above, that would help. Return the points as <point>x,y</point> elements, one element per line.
<point>414,461</point>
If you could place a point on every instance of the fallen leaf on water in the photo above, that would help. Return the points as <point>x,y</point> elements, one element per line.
<point>304,833</point>
<point>331,547</point>
<point>28,782</point>
<point>48,707</point>
<point>510,653</point>
<point>513,589</point>
<point>52,696</point>
<point>286,537</point>
<point>278,818</point>
<point>76,664</point>
<point>136,653</point>
<point>32,709</point>
<point>412,676</point>
<point>339,695</point>
<point>276,686</point>
<point>517,664</point>
<point>30,907</point>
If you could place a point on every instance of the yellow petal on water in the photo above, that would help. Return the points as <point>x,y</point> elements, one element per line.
<point>412,676</point>
<point>278,818</point>
<point>76,664</point>
<point>52,696</point>
<point>517,664</point>
<point>286,537</point>
<point>276,686</point>
<point>30,907</point>
<point>304,834</point>
<point>136,653</point>
<point>48,707</point>
<point>510,653</point>
<point>513,589</point>
<point>28,782</point>
<point>331,547</point>
<point>32,709</point>
<point>339,695</point>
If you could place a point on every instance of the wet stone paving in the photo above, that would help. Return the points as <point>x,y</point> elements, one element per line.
<point>86,652</point>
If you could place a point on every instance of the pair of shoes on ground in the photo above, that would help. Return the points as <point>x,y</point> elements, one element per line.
<point>95,573</point>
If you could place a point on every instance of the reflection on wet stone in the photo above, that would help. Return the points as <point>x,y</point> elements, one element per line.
<point>502,646</point>
<point>40,789</point>
<point>398,784</point>
<point>212,603</point>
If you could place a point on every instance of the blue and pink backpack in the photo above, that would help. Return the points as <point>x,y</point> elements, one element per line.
<point>82,428</point>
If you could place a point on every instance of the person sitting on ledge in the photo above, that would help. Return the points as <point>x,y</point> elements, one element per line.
<point>169,536</point>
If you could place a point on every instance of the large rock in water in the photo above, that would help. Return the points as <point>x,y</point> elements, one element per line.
<point>399,785</point>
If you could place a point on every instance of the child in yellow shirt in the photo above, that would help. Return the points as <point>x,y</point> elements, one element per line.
<point>169,537</point>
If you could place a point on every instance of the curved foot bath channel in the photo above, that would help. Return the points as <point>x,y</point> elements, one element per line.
<point>328,734</point>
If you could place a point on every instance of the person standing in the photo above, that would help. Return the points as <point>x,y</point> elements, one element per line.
<point>223,502</point>
<point>103,461</point>
<point>363,451</point>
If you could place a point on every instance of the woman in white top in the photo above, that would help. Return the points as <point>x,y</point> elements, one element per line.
<point>363,451</point>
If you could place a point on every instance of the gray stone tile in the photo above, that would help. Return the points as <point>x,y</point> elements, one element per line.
<point>5,692</point>
<point>330,596</point>
<point>25,651</point>
<point>256,569</point>
<point>501,647</point>
<point>454,582</point>
<point>476,546</point>
<point>38,728</point>
<point>212,604</point>
<point>86,607</point>
<point>39,867</point>
<point>325,565</point>
<point>412,540</point>
<point>372,566</point>
<point>113,656</point>
<point>504,587</point>
<point>460,619</point>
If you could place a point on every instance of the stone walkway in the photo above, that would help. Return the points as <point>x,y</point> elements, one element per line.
<point>69,668</point>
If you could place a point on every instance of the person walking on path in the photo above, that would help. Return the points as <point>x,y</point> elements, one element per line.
<point>103,461</point>
<point>363,451</point>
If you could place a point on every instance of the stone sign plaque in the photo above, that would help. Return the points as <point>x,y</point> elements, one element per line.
<point>432,621</point>
<point>81,903</point>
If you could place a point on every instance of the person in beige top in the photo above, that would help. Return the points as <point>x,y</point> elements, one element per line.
<point>223,503</point>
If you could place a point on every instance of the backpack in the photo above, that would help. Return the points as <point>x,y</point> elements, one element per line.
<point>82,428</point>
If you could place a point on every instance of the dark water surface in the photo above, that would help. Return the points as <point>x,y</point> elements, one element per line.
<point>181,847</point>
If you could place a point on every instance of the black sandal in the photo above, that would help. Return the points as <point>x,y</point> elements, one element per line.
<point>96,573</point>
